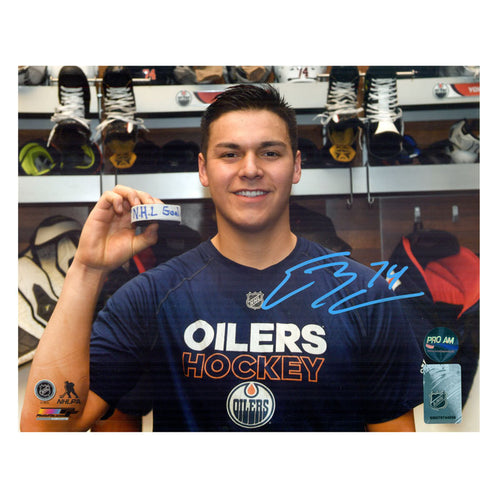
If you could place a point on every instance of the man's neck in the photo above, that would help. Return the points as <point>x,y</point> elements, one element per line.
<point>259,251</point>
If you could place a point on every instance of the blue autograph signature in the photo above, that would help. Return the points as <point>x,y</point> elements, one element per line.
<point>310,266</point>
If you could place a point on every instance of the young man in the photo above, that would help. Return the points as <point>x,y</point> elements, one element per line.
<point>255,329</point>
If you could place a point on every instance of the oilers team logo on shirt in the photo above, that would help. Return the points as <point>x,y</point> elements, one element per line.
<point>250,405</point>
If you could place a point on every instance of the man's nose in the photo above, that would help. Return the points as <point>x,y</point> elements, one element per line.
<point>251,166</point>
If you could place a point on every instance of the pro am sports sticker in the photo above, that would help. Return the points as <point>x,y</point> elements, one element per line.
<point>45,390</point>
<point>441,344</point>
<point>250,405</point>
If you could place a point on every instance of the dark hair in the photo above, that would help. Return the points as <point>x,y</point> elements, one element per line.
<point>249,97</point>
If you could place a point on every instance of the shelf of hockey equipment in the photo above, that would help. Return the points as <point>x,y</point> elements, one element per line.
<point>193,99</point>
<point>314,182</point>
<point>182,105</point>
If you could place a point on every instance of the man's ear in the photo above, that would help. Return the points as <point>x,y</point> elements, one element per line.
<point>202,170</point>
<point>297,168</point>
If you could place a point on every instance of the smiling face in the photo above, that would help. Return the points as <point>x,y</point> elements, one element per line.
<point>249,169</point>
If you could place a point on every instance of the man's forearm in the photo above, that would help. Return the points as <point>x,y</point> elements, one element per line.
<point>62,358</point>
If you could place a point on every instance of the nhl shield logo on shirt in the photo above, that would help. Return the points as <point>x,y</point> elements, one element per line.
<point>255,300</point>
<point>250,405</point>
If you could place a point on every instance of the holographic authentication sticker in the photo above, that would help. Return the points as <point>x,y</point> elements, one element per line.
<point>45,390</point>
<point>441,344</point>
<point>442,394</point>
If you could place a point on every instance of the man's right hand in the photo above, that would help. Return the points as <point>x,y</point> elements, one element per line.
<point>108,238</point>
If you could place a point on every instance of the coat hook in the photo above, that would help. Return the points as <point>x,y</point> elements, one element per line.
<point>350,200</point>
<point>417,219</point>
<point>416,215</point>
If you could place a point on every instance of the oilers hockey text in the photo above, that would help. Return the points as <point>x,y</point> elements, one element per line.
<point>294,351</point>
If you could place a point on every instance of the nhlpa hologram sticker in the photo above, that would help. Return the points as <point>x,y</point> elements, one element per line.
<point>442,394</point>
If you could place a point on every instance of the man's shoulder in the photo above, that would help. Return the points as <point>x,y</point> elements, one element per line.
<point>311,249</point>
<point>339,262</point>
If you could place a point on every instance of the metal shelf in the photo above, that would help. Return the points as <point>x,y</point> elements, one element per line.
<point>59,189</point>
<point>193,99</point>
<point>438,91</point>
<point>314,182</point>
<point>164,99</point>
<point>390,179</point>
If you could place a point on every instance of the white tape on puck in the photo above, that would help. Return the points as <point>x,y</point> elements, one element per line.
<point>155,212</point>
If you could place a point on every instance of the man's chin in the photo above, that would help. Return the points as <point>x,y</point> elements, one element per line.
<point>254,226</point>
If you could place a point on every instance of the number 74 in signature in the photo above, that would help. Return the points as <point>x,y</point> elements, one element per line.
<point>316,264</point>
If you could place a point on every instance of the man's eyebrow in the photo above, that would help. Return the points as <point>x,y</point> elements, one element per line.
<point>264,144</point>
<point>267,144</point>
<point>230,145</point>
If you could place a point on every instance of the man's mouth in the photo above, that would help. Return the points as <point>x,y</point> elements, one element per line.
<point>250,194</point>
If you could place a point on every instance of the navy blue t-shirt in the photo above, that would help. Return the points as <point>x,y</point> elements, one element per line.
<point>293,347</point>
